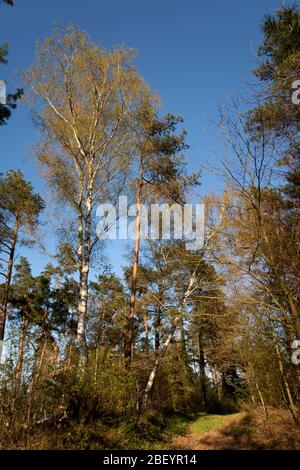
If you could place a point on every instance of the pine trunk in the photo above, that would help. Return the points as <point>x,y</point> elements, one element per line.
<point>4,303</point>
<point>130,333</point>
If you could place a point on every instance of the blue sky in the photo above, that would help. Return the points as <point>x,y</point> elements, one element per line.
<point>194,53</point>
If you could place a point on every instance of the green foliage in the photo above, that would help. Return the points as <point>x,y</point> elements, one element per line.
<point>11,99</point>
<point>276,114</point>
<point>18,199</point>
<point>281,41</point>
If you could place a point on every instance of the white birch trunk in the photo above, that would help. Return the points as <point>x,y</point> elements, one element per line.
<point>166,344</point>
<point>84,267</point>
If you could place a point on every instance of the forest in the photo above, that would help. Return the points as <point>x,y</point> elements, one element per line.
<point>207,337</point>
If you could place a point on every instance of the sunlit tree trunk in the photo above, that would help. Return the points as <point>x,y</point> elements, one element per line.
<point>155,368</point>
<point>164,348</point>
<point>84,279</point>
<point>4,303</point>
<point>130,334</point>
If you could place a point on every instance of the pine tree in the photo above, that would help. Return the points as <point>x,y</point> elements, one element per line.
<point>20,208</point>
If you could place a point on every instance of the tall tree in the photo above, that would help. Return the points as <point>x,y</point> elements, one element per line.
<point>181,272</point>
<point>161,176</point>
<point>20,208</point>
<point>22,306</point>
<point>88,97</point>
<point>278,73</point>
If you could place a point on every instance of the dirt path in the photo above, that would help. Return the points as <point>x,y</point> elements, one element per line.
<point>210,432</point>
<point>244,430</point>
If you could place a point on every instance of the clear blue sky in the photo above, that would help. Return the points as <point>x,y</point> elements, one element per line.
<point>194,53</point>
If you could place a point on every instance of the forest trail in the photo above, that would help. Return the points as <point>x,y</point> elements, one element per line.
<point>244,430</point>
<point>209,432</point>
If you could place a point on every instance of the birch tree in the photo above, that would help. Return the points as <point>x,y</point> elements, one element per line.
<point>88,96</point>
<point>183,276</point>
